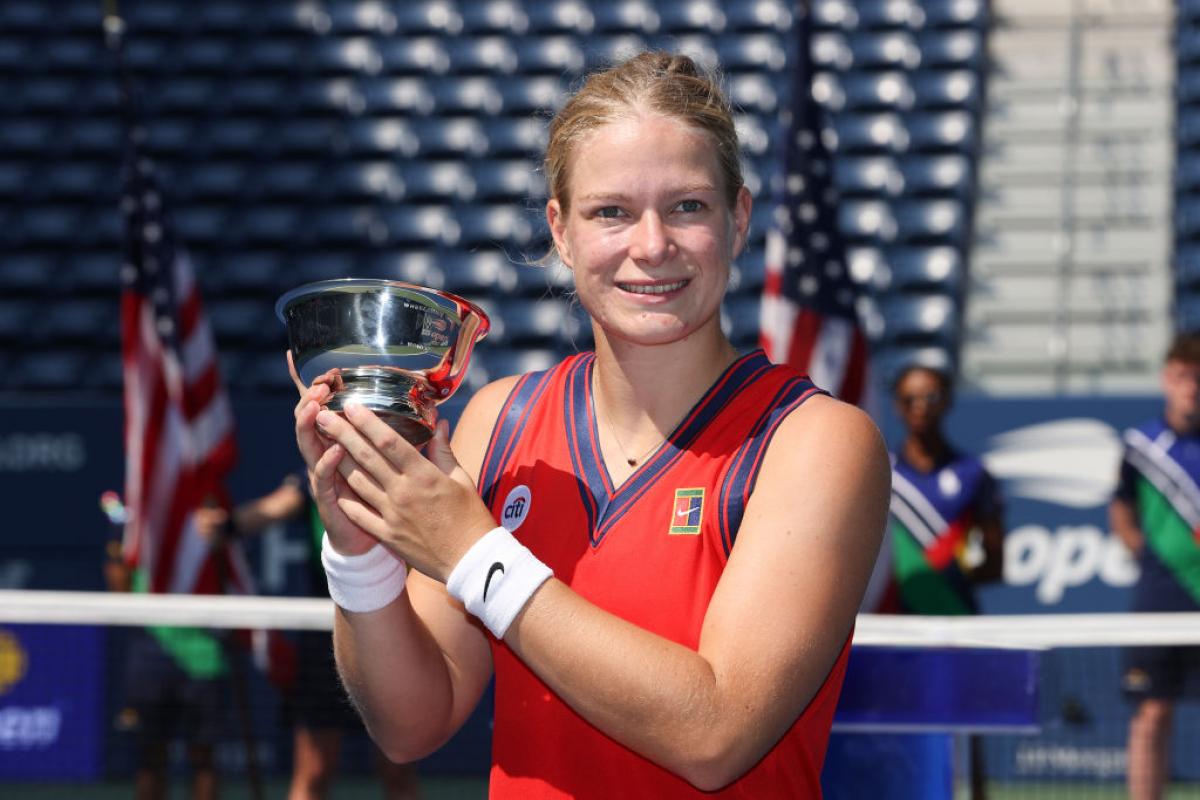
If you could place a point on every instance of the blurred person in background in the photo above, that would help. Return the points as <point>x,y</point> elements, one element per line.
<point>320,711</point>
<point>1156,512</point>
<point>946,529</point>
<point>176,685</point>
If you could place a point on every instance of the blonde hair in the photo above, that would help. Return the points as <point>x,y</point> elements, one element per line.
<point>656,82</point>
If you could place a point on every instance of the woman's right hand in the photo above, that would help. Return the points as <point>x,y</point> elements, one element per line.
<point>321,457</point>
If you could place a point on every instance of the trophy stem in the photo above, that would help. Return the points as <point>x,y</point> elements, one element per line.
<point>396,397</point>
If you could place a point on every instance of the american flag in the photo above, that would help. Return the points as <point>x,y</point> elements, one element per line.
<point>179,431</point>
<point>809,317</point>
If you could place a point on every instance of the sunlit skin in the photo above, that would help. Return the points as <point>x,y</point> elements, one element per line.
<point>922,400</point>
<point>1181,395</point>
<point>652,214</point>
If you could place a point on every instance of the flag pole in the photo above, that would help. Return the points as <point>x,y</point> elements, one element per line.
<point>114,37</point>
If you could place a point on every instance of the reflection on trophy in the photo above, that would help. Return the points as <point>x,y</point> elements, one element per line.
<point>397,348</point>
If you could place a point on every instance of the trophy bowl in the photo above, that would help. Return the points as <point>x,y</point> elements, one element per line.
<point>398,349</point>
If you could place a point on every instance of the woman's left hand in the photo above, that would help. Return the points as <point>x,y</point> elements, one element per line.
<point>426,509</point>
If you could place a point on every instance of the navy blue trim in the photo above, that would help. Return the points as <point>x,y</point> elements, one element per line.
<point>577,418</point>
<point>519,404</point>
<point>736,376</point>
<point>740,479</point>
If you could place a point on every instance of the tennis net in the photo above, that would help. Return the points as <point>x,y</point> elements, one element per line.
<point>80,674</point>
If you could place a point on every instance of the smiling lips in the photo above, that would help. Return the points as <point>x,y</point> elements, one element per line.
<point>652,288</point>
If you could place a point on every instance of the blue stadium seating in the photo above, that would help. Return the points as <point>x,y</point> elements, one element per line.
<point>303,141</point>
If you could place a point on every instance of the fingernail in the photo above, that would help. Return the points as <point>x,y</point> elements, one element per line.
<point>352,407</point>
<point>324,418</point>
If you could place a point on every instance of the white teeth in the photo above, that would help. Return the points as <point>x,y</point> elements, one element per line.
<point>661,288</point>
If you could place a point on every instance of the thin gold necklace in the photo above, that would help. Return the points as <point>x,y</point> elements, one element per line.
<point>633,462</point>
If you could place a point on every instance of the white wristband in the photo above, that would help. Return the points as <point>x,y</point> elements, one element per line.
<point>496,578</point>
<point>365,582</point>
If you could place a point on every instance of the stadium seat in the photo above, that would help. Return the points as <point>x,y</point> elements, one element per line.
<point>254,96</point>
<point>691,16</point>
<point>418,56</point>
<point>381,138</point>
<point>870,133</point>
<point>426,17</point>
<point>601,51</point>
<point>49,225</point>
<point>754,93</point>
<point>367,181</point>
<point>752,134</point>
<point>487,271</point>
<point>500,224</point>
<point>25,272</point>
<point>91,271</point>
<point>539,279</point>
<point>831,50</point>
<point>947,131</point>
<point>24,136</point>
<point>700,47</point>
<point>886,91</point>
<point>69,320</point>
<point>546,320</point>
<point>345,56</point>
<point>457,137</point>
<point>16,317</point>
<point>423,225</point>
<point>388,95</point>
<point>206,54</point>
<point>749,271</point>
<point>49,370</point>
<point>273,55</point>
<point>955,13</point>
<point>240,321</point>
<point>931,221</point>
<point>77,180</point>
<point>870,176</point>
<point>562,16</point>
<point>957,89</point>
<point>559,55</point>
<point>625,16</point>
<point>43,93</point>
<point>311,137</point>
<point>758,15</point>
<point>511,180</point>
<point>289,180</point>
<point>254,271</point>
<point>752,51</point>
<point>948,175</point>
<point>891,50</point>
<point>494,16</point>
<point>955,49</point>
<point>467,96</point>
<point>436,181</point>
<point>488,54</point>
<point>887,363</point>
<point>262,225</point>
<point>909,269</point>
<point>524,136</point>
<point>930,319</point>
<point>531,95</point>
<point>867,221</point>
<point>232,136</point>
<point>888,14</point>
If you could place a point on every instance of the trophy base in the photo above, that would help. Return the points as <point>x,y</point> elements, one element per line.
<point>392,395</point>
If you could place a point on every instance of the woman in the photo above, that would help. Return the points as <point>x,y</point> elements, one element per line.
<point>700,526</point>
<point>947,525</point>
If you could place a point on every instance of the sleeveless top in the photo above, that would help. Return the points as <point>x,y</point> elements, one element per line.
<point>650,551</point>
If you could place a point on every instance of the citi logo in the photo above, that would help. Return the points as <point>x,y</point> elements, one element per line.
<point>515,508</point>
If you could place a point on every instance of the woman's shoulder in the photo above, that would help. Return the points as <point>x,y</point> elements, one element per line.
<point>824,423</point>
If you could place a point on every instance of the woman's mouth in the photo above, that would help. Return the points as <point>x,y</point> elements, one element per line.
<point>652,288</point>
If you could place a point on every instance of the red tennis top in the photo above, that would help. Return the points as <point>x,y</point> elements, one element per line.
<point>650,551</point>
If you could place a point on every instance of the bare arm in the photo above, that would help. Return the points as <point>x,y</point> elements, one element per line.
<point>283,503</point>
<point>416,668</point>
<point>1122,516</point>
<point>804,551</point>
<point>992,567</point>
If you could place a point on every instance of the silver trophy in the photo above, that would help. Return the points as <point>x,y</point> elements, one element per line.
<point>396,348</point>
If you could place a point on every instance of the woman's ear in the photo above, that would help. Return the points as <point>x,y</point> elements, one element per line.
<point>556,219</point>
<point>741,220</point>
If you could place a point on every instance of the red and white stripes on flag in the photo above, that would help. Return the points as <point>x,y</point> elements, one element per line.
<point>809,304</point>
<point>179,431</point>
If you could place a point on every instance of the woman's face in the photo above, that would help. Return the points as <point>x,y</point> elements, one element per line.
<point>648,233</point>
<point>921,401</point>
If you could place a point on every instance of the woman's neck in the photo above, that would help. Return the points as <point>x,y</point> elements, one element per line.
<point>642,392</point>
<point>925,451</point>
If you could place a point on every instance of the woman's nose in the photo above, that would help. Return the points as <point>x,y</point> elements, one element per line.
<point>650,241</point>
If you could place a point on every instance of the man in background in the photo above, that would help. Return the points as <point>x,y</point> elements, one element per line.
<point>1156,513</point>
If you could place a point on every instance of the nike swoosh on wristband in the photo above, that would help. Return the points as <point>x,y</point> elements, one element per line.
<point>492,570</point>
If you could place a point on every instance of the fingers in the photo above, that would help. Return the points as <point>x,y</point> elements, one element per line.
<point>438,450</point>
<point>357,446</point>
<point>381,437</point>
<point>307,437</point>
<point>300,387</point>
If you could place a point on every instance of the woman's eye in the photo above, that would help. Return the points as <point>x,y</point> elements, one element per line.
<point>691,206</point>
<point>608,212</point>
